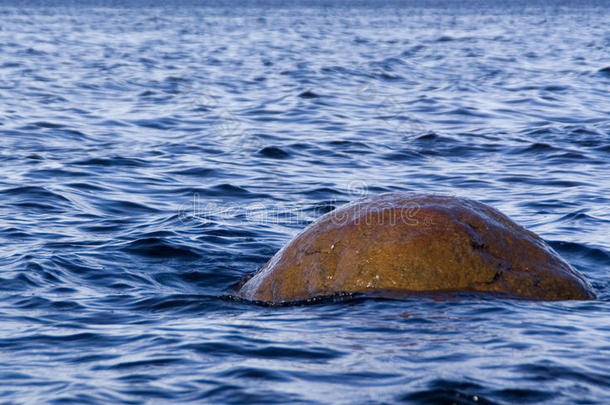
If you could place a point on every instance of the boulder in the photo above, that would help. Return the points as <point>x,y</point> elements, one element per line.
<point>407,243</point>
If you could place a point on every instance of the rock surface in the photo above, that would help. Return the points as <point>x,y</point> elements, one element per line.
<point>419,243</point>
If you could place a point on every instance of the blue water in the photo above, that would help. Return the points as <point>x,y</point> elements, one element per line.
<point>151,156</point>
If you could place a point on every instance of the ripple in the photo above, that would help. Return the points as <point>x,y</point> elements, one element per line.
<point>160,248</point>
<point>273,152</point>
<point>198,172</point>
<point>112,161</point>
<point>146,171</point>
<point>547,371</point>
<point>141,364</point>
<point>249,373</point>
<point>446,391</point>
<point>597,255</point>
<point>268,352</point>
<point>308,94</point>
<point>605,71</point>
<point>34,192</point>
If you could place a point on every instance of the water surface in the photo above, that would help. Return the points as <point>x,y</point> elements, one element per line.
<point>152,156</point>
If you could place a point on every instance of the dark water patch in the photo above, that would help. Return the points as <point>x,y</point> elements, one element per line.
<point>273,152</point>
<point>230,190</point>
<point>38,207</point>
<point>349,145</point>
<point>454,392</point>
<point>569,157</point>
<point>308,94</point>
<point>230,233</point>
<point>73,263</point>
<point>51,173</point>
<point>202,279</point>
<point>103,227</point>
<point>605,71</point>
<point>34,193</point>
<point>387,76</point>
<point>518,395</point>
<point>138,378</point>
<point>605,148</point>
<point>113,123</point>
<point>86,186</point>
<point>182,303</point>
<point>45,124</point>
<point>255,374</point>
<point>124,208</point>
<point>147,364</point>
<point>555,88</point>
<point>93,358</point>
<point>549,371</point>
<point>537,147</point>
<point>540,182</point>
<point>233,394</point>
<point>448,392</point>
<point>581,216</point>
<point>445,38</point>
<point>364,379</point>
<point>157,123</point>
<point>591,254</point>
<point>323,207</point>
<point>63,290</point>
<point>40,341</point>
<point>470,111</point>
<point>431,138</point>
<point>322,192</point>
<point>19,283</point>
<point>111,161</point>
<point>413,50</point>
<point>198,172</point>
<point>402,156</point>
<point>160,248</point>
<point>15,233</point>
<point>310,354</point>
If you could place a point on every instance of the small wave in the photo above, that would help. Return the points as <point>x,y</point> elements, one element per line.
<point>197,172</point>
<point>271,352</point>
<point>273,152</point>
<point>447,391</point>
<point>413,50</point>
<point>229,190</point>
<point>46,124</point>
<point>125,208</point>
<point>605,71</point>
<point>251,373</point>
<point>549,371</point>
<point>157,123</point>
<point>596,255</point>
<point>33,192</point>
<point>177,303</point>
<point>112,161</point>
<point>160,248</point>
<point>146,364</point>
<point>537,147</point>
<point>308,94</point>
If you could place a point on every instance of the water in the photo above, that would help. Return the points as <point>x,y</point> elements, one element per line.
<point>152,156</point>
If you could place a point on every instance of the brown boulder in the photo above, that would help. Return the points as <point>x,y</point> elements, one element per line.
<point>403,242</point>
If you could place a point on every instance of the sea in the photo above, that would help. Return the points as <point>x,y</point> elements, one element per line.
<point>154,153</point>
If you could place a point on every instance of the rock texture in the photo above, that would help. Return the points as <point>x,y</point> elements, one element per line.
<point>412,242</point>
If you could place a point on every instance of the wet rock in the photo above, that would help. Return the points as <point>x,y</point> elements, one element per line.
<point>403,242</point>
